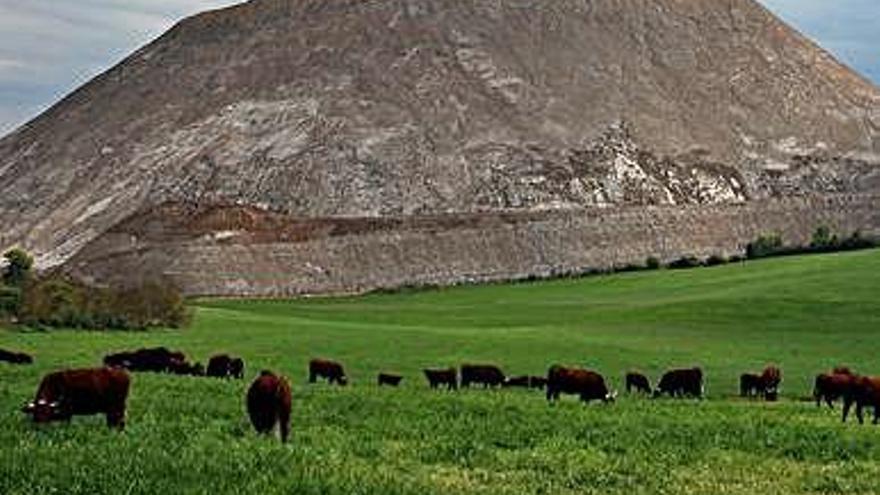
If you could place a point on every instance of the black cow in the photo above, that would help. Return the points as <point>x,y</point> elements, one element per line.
<point>225,366</point>
<point>638,382</point>
<point>331,370</point>
<point>537,382</point>
<point>486,375</point>
<point>389,379</point>
<point>749,385</point>
<point>268,403</point>
<point>64,394</point>
<point>589,385</point>
<point>517,381</point>
<point>681,383</point>
<point>438,377</point>
<point>15,357</point>
<point>158,359</point>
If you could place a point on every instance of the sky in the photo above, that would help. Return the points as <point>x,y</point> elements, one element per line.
<point>50,47</point>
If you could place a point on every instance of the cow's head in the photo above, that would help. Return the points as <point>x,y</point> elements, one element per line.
<point>611,396</point>
<point>42,410</point>
<point>343,380</point>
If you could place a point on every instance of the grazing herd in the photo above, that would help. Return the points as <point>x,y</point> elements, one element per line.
<point>64,394</point>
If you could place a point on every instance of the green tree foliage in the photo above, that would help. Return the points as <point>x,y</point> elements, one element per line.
<point>56,301</point>
<point>18,267</point>
<point>766,245</point>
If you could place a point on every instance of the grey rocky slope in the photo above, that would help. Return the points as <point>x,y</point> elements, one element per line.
<point>407,109</point>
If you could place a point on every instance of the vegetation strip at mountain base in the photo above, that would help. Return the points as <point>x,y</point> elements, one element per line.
<point>805,314</point>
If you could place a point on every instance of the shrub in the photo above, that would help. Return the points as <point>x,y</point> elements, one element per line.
<point>18,267</point>
<point>765,245</point>
<point>652,263</point>
<point>56,301</point>
<point>824,240</point>
<point>685,262</point>
<point>716,260</point>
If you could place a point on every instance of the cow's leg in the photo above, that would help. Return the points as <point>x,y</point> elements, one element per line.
<point>284,425</point>
<point>116,419</point>
<point>847,404</point>
<point>876,413</point>
<point>859,407</point>
<point>312,377</point>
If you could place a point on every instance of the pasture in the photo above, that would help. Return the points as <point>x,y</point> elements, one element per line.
<point>191,435</point>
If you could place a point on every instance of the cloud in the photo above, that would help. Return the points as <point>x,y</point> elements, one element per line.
<point>50,47</point>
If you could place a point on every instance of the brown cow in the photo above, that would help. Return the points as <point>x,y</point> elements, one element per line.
<point>389,379</point>
<point>63,394</point>
<point>830,387</point>
<point>486,375</point>
<point>332,371</point>
<point>268,403</point>
<point>771,377</point>
<point>589,385</point>
<point>438,377</point>
<point>681,383</point>
<point>638,382</point>
<point>15,357</point>
<point>864,391</point>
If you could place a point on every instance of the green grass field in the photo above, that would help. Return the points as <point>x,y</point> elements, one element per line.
<point>191,435</point>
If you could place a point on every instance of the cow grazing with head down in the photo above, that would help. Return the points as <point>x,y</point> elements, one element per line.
<point>863,391</point>
<point>225,366</point>
<point>832,386</point>
<point>440,377</point>
<point>749,385</point>
<point>517,381</point>
<point>64,394</point>
<point>638,382</point>
<point>486,375</point>
<point>771,377</point>
<point>681,383</point>
<point>589,385</point>
<point>331,370</point>
<point>389,379</point>
<point>538,382</point>
<point>268,404</point>
<point>15,357</point>
<point>158,359</point>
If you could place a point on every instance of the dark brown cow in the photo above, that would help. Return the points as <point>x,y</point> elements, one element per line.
<point>842,370</point>
<point>771,377</point>
<point>64,394</point>
<point>332,371</point>
<point>749,385</point>
<point>268,403</point>
<point>830,387</point>
<point>437,378</point>
<point>486,375</point>
<point>681,383</point>
<point>389,379</point>
<point>589,385</point>
<point>15,357</point>
<point>517,381</point>
<point>638,382</point>
<point>864,391</point>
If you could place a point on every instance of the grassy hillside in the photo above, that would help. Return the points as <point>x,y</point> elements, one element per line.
<point>190,435</point>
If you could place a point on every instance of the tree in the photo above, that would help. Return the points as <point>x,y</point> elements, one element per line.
<point>18,267</point>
